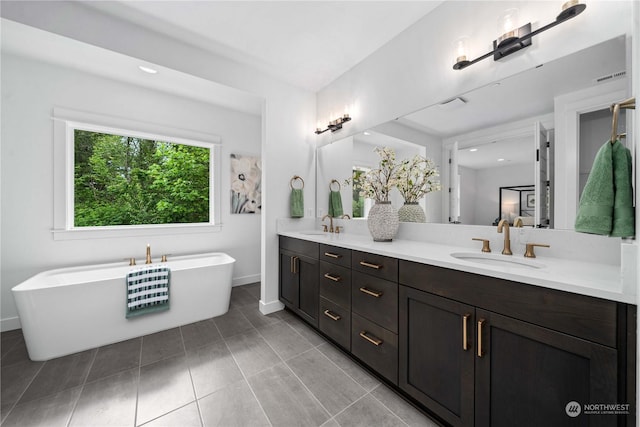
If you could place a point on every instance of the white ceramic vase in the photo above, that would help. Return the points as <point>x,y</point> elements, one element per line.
<point>383,222</point>
<point>412,212</point>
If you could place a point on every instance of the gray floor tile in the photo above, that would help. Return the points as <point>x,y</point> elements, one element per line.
<point>187,416</point>
<point>164,386</point>
<point>257,319</point>
<point>15,379</point>
<point>232,323</point>
<point>60,374</point>
<point>305,330</point>
<point>200,333</point>
<point>51,411</point>
<point>368,412</point>
<point>16,354</point>
<point>359,374</point>
<point>327,382</point>
<point>241,297</point>
<point>161,345</point>
<point>110,401</point>
<point>4,410</point>
<point>285,400</point>
<point>285,340</point>
<point>403,409</point>
<point>212,368</point>
<point>251,352</point>
<point>253,289</point>
<point>331,423</point>
<point>9,339</point>
<point>234,405</point>
<point>114,358</point>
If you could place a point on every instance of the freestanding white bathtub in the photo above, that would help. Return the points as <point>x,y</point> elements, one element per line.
<point>67,310</point>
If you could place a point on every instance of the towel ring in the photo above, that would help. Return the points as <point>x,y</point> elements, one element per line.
<point>296,178</point>
<point>331,185</point>
<point>615,109</point>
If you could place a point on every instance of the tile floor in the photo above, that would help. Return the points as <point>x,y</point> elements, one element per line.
<point>240,369</point>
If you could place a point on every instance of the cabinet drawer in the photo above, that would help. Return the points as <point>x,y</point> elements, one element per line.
<point>336,255</point>
<point>375,346</point>
<point>375,299</point>
<point>375,265</point>
<point>300,247</point>
<point>335,321</point>
<point>335,283</point>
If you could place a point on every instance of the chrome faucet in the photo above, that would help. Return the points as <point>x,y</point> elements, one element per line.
<point>507,242</point>
<point>148,261</point>
<point>330,223</point>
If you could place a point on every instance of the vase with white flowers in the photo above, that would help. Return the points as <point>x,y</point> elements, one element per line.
<point>376,184</point>
<point>416,178</point>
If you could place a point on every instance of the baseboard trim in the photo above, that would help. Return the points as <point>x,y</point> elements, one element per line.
<point>10,324</point>
<point>245,280</point>
<point>270,307</point>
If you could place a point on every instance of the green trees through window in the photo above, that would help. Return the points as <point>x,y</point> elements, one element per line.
<point>121,180</point>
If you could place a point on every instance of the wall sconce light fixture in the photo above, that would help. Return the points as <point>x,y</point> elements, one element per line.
<point>514,38</point>
<point>334,125</point>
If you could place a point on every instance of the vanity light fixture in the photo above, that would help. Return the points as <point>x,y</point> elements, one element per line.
<point>334,125</point>
<point>514,38</point>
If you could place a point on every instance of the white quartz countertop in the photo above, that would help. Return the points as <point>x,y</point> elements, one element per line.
<point>585,278</point>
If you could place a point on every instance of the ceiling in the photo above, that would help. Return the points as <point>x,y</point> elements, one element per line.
<point>305,43</point>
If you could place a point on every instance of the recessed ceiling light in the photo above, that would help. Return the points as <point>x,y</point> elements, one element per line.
<point>147,69</point>
<point>367,133</point>
<point>473,149</point>
<point>501,160</point>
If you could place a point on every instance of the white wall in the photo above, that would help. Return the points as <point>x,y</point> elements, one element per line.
<point>30,90</point>
<point>288,118</point>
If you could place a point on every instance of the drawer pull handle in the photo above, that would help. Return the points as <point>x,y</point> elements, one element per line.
<point>371,293</point>
<point>480,323</point>
<point>332,316</point>
<point>465,322</point>
<point>295,264</point>
<point>334,278</point>
<point>367,264</point>
<point>330,255</point>
<point>373,340</point>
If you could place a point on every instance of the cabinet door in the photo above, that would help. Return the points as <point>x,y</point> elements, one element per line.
<point>526,375</point>
<point>288,280</point>
<point>307,270</point>
<point>436,338</point>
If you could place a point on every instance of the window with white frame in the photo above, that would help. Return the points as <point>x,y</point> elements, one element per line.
<point>124,179</point>
<point>121,182</point>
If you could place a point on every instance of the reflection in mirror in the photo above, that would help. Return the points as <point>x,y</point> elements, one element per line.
<point>546,124</point>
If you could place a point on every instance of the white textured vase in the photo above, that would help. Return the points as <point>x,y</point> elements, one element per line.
<point>383,222</point>
<point>412,212</point>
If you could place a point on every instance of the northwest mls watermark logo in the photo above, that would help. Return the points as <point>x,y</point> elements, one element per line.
<point>574,409</point>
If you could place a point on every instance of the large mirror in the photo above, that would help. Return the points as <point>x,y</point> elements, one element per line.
<point>518,149</point>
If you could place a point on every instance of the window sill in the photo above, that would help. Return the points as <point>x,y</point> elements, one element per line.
<point>133,231</point>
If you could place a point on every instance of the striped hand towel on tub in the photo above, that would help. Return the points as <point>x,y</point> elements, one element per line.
<point>147,290</point>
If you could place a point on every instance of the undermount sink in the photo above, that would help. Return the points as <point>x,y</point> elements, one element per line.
<point>497,260</point>
<point>313,232</point>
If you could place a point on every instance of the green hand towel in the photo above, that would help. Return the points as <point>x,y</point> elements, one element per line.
<point>297,203</point>
<point>335,204</point>
<point>623,213</point>
<point>607,197</point>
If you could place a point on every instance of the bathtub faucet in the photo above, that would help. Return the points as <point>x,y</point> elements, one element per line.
<point>148,261</point>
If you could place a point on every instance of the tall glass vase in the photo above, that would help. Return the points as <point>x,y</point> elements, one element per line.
<point>383,222</point>
<point>411,212</point>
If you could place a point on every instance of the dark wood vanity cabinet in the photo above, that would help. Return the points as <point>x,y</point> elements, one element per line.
<point>335,294</point>
<point>471,364</point>
<point>473,350</point>
<point>299,266</point>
